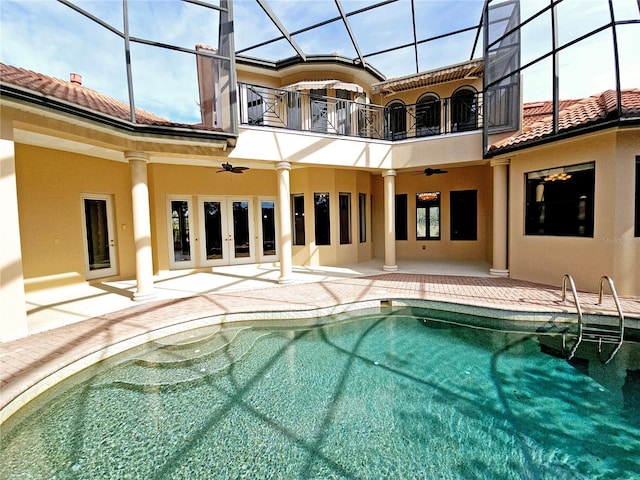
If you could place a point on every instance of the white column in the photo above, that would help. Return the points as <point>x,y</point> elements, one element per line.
<point>389,221</point>
<point>141,224</point>
<point>500,218</point>
<point>13,314</point>
<point>284,219</point>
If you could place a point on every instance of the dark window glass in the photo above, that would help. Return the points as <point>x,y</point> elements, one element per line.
<point>396,121</point>
<point>428,115</point>
<point>464,111</point>
<point>294,113</point>
<point>298,220</point>
<point>323,226</point>
<point>344,200</point>
<point>464,215</point>
<point>560,201</point>
<point>401,217</point>
<point>362,216</point>
<point>637,222</point>
<point>318,109</point>
<point>255,107</point>
<point>428,216</point>
<point>268,227</point>
<point>343,118</point>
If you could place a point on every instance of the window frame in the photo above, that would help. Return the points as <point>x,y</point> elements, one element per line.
<point>636,230</point>
<point>454,204</point>
<point>428,205</point>
<point>322,232</point>
<point>297,219</point>
<point>537,203</point>
<point>401,210</point>
<point>344,215</point>
<point>362,217</point>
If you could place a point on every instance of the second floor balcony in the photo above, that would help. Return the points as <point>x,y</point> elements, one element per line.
<point>294,110</point>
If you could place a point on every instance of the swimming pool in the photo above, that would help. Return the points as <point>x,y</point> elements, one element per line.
<point>385,395</point>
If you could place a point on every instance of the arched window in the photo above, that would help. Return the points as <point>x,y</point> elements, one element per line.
<point>464,109</point>
<point>396,120</point>
<point>428,115</point>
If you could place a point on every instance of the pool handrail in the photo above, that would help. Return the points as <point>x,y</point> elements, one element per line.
<point>569,353</point>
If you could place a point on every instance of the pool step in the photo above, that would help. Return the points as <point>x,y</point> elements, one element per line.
<point>184,353</point>
<point>142,375</point>
<point>190,337</point>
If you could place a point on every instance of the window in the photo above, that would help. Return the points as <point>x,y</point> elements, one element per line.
<point>428,216</point>
<point>401,217</point>
<point>396,120</point>
<point>255,107</point>
<point>428,115</point>
<point>344,201</point>
<point>318,109</point>
<point>464,110</point>
<point>298,219</point>
<point>559,201</point>
<point>362,216</point>
<point>637,222</point>
<point>323,225</point>
<point>343,118</point>
<point>294,112</point>
<point>464,215</point>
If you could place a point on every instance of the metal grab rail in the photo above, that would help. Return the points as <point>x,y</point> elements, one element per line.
<point>614,294</point>
<point>569,353</point>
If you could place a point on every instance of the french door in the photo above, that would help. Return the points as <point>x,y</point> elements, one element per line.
<point>99,240</point>
<point>226,231</point>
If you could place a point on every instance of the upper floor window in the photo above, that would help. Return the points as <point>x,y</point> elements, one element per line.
<point>255,107</point>
<point>396,120</point>
<point>318,105</point>
<point>560,201</point>
<point>428,115</point>
<point>464,109</point>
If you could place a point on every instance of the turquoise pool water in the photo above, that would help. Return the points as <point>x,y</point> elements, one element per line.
<point>384,396</point>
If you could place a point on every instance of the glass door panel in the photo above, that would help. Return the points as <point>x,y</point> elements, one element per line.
<point>226,231</point>
<point>268,230</point>
<point>213,237</point>
<point>100,250</point>
<point>180,254</point>
<point>240,215</point>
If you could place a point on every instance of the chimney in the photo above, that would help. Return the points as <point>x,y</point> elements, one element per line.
<point>75,78</point>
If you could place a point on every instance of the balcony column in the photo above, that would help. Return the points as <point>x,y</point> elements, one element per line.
<point>389,221</point>
<point>500,217</point>
<point>141,224</point>
<point>13,319</point>
<point>284,221</point>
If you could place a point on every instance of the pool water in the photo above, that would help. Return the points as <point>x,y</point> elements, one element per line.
<point>384,396</point>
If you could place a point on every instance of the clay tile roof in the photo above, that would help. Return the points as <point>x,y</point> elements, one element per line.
<point>81,96</point>
<point>537,119</point>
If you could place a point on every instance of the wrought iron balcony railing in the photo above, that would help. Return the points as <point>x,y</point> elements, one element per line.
<point>293,110</point>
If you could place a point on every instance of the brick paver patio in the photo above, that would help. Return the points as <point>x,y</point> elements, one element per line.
<point>25,362</point>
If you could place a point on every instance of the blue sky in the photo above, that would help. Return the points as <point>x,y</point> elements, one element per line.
<point>51,38</point>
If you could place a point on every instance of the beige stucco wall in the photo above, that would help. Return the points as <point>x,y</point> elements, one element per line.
<point>613,250</point>
<point>308,181</point>
<point>464,178</point>
<point>50,184</point>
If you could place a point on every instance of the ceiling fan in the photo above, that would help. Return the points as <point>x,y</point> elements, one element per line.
<point>431,171</point>
<point>227,167</point>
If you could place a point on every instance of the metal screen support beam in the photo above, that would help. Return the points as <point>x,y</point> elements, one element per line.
<point>351,35</point>
<point>276,21</point>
